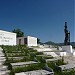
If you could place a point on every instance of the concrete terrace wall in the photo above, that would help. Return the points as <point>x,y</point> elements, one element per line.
<point>67,48</point>
<point>7,38</point>
<point>61,53</point>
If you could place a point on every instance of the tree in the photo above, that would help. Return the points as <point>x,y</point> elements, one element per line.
<point>18,32</point>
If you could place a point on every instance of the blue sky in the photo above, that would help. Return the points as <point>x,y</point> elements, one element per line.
<point>40,18</point>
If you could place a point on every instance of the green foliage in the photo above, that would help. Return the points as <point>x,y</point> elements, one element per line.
<point>18,51</point>
<point>11,72</point>
<point>47,57</point>
<point>60,62</point>
<point>24,59</point>
<point>39,53</point>
<point>69,72</point>
<point>18,32</point>
<point>66,72</point>
<point>28,68</point>
<point>9,66</point>
<point>54,65</point>
<point>28,54</point>
<point>41,59</point>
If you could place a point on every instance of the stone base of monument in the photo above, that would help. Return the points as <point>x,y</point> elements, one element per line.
<point>67,48</point>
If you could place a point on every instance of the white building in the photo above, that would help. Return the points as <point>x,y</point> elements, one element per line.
<point>7,38</point>
<point>29,41</point>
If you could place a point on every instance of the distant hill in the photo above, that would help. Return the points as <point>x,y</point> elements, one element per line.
<point>58,44</point>
<point>72,43</point>
<point>51,43</point>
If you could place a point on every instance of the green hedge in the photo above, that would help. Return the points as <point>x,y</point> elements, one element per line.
<point>28,68</point>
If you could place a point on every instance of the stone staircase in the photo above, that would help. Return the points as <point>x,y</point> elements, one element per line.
<point>3,69</point>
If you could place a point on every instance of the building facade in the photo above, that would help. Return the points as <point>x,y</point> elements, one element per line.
<point>29,41</point>
<point>7,38</point>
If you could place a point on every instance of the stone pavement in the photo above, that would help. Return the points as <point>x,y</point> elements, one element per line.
<point>69,59</point>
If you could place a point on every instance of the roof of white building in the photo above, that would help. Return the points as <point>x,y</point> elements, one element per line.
<point>6,31</point>
<point>26,37</point>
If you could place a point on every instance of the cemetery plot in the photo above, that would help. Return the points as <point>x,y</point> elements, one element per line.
<point>22,59</point>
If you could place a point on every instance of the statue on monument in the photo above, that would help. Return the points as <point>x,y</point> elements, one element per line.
<point>67,35</point>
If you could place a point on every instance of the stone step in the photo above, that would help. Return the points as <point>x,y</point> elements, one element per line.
<point>2,58</point>
<point>3,68</point>
<point>4,72</point>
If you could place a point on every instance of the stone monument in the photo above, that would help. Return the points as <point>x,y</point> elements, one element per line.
<point>67,47</point>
